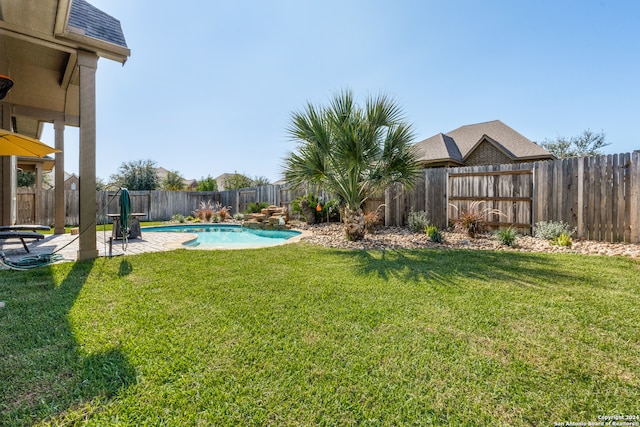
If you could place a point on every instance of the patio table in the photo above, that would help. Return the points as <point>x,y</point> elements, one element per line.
<point>134,230</point>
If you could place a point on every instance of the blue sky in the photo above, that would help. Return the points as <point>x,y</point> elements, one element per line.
<point>211,85</point>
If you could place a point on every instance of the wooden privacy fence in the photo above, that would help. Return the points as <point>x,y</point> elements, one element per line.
<point>37,206</point>
<point>506,196</point>
<point>599,195</point>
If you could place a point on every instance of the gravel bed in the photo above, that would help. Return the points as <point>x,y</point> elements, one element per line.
<point>332,235</point>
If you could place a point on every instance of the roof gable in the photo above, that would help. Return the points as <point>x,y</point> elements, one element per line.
<point>459,144</point>
<point>505,138</point>
<point>487,139</point>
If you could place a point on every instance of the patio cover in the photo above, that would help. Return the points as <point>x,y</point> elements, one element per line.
<point>50,49</point>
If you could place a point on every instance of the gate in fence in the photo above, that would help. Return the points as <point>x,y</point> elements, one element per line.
<point>502,198</point>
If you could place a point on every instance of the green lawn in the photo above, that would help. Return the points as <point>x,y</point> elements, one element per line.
<point>301,335</point>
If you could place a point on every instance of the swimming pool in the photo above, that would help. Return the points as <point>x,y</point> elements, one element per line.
<point>227,236</point>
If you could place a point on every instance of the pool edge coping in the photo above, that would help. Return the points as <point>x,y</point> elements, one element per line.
<point>183,238</point>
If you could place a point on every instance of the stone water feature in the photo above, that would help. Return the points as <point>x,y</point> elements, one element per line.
<point>270,218</point>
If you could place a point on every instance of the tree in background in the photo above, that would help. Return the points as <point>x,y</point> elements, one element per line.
<point>207,184</point>
<point>26,179</point>
<point>259,181</point>
<point>352,152</point>
<point>101,185</point>
<point>136,175</point>
<point>587,144</point>
<point>173,182</point>
<point>236,181</point>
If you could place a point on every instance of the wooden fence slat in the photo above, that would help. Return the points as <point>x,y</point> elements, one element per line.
<point>593,180</point>
<point>604,188</point>
<point>616,229</point>
<point>624,202</point>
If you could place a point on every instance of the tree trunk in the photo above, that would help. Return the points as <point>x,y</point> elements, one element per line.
<point>354,224</point>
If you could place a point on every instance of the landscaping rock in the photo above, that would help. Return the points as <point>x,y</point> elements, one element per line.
<point>333,235</point>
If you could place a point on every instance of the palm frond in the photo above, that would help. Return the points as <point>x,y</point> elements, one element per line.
<point>350,151</point>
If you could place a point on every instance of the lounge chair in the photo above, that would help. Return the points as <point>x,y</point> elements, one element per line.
<point>25,227</point>
<point>21,235</point>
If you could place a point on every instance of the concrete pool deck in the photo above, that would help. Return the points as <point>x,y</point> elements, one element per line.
<point>67,245</point>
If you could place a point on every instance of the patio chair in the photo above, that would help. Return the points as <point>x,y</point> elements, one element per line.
<point>21,235</point>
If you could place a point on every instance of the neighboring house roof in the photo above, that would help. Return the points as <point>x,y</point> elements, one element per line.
<point>456,146</point>
<point>440,148</point>
<point>221,179</point>
<point>68,175</point>
<point>162,174</point>
<point>95,23</point>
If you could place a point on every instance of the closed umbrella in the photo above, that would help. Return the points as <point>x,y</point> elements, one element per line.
<point>15,144</point>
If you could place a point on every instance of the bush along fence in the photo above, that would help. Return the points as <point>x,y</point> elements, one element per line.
<point>598,196</point>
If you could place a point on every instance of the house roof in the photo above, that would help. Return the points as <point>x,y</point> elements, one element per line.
<point>439,147</point>
<point>41,41</point>
<point>458,144</point>
<point>95,23</point>
<point>221,179</point>
<point>68,175</point>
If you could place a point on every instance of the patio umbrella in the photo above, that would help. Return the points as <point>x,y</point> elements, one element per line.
<point>15,144</point>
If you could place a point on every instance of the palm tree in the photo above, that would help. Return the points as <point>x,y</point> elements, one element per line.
<point>351,152</point>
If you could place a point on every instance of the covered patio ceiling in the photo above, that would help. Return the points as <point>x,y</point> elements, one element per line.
<point>40,41</point>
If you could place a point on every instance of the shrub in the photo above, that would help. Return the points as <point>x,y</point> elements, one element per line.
<point>306,206</point>
<point>189,218</point>
<point>330,211</point>
<point>417,221</point>
<point>223,214</point>
<point>238,216</point>
<point>553,229</point>
<point>371,219</point>
<point>433,233</point>
<point>507,236</point>
<point>178,218</point>
<point>562,240</point>
<point>473,220</point>
<point>205,212</point>
<point>256,207</point>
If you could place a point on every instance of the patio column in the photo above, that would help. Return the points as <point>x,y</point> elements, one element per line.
<point>8,175</point>
<point>87,64</point>
<point>60,211</point>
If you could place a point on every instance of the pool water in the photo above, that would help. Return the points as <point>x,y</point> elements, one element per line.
<point>227,236</point>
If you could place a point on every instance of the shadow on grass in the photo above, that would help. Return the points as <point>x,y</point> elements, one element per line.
<point>43,371</point>
<point>446,266</point>
<point>125,268</point>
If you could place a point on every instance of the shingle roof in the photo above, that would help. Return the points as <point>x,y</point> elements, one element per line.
<point>466,138</point>
<point>439,147</point>
<point>95,23</point>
